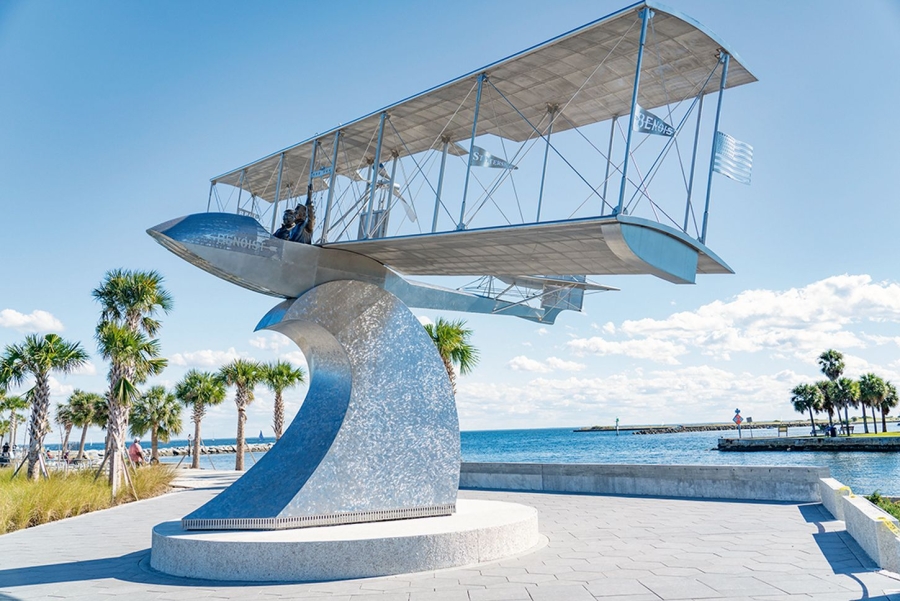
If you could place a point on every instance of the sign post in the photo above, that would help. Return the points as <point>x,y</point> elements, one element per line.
<point>737,419</point>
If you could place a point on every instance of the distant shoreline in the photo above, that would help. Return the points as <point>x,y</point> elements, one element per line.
<point>673,429</point>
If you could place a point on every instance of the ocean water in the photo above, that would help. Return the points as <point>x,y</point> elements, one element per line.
<point>863,472</point>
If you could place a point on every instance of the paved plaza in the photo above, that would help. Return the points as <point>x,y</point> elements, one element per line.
<point>595,547</point>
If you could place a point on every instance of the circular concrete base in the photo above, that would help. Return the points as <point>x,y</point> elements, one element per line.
<point>479,531</point>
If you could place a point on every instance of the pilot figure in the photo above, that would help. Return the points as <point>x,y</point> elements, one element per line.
<point>284,232</point>
<point>304,222</point>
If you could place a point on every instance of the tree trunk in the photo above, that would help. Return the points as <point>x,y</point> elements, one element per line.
<point>13,427</point>
<point>831,418</point>
<point>154,444</point>
<point>81,445</point>
<point>847,419</point>
<point>812,422</point>
<point>865,419</point>
<point>451,373</point>
<point>278,420</point>
<point>65,444</point>
<point>883,421</point>
<point>874,421</point>
<point>117,427</point>
<point>37,427</point>
<point>239,444</point>
<point>198,416</point>
<point>116,435</point>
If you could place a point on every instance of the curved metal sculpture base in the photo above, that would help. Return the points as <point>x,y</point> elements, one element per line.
<point>480,531</point>
<point>377,437</point>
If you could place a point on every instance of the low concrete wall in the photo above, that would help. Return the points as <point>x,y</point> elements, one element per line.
<point>876,531</point>
<point>831,491</point>
<point>795,484</point>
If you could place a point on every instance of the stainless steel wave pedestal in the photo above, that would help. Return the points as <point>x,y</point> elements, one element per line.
<point>377,437</point>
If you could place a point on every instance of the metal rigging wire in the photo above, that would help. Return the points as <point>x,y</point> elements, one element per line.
<point>654,168</point>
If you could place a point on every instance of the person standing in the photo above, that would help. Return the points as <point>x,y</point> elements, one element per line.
<point>136,453</point>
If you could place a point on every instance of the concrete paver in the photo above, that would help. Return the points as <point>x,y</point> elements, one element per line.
<point>598,547</point>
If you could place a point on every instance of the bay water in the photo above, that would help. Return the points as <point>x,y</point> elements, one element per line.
<point>863,472</point>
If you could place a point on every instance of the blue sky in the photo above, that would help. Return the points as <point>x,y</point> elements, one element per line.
<point>116,114</point>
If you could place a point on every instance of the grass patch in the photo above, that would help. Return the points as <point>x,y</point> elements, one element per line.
<point>885,504</point>
<point>872,434</point>
<point>25,503</point>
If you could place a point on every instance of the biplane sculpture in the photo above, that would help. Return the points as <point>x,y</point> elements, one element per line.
<point>506,175</point>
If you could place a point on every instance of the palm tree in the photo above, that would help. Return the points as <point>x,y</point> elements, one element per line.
<point>244,375</point>
<point>133,358</point>
<point>832,364</point>
<point>38,357</point>
<point>872,390</point>
<point>14,404</point>
<point>452,341</point>
<point>889,401</point>
<point>129,302</point>
<point>64,419</point>
<point>158,411</point>
<point>848,392</point>
<point>199,390</point>
<point>133,298</point>
<point>88,409</point>
<point>278,376</point>
<point>807,397</point>
<point>830,399</point>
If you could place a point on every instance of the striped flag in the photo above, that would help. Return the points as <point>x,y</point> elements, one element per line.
<point>733,158</point>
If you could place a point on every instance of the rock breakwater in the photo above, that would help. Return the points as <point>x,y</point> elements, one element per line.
<point>215,450</point>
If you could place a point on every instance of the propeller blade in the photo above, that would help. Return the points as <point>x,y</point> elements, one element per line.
<point>410,212</point>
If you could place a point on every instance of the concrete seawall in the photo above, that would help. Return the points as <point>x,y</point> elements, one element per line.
<point>820,443</point>
<point>795,484</point>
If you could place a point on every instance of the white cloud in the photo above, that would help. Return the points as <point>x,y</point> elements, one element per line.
<point>88,369</point>
<point>523,363</point>
<point>561,365</point>
<point>543,331</point>
<point>661,351</point>
<point>206,358</point>
<point>36,321</point>
<point>682,395</point>
<point>801,318</point>
<point>791,323</point>
<point>58,389</point>
<point>270,342</point>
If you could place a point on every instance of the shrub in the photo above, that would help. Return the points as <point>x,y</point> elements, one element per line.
<point>885,504</point>
<point>25,503</point>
